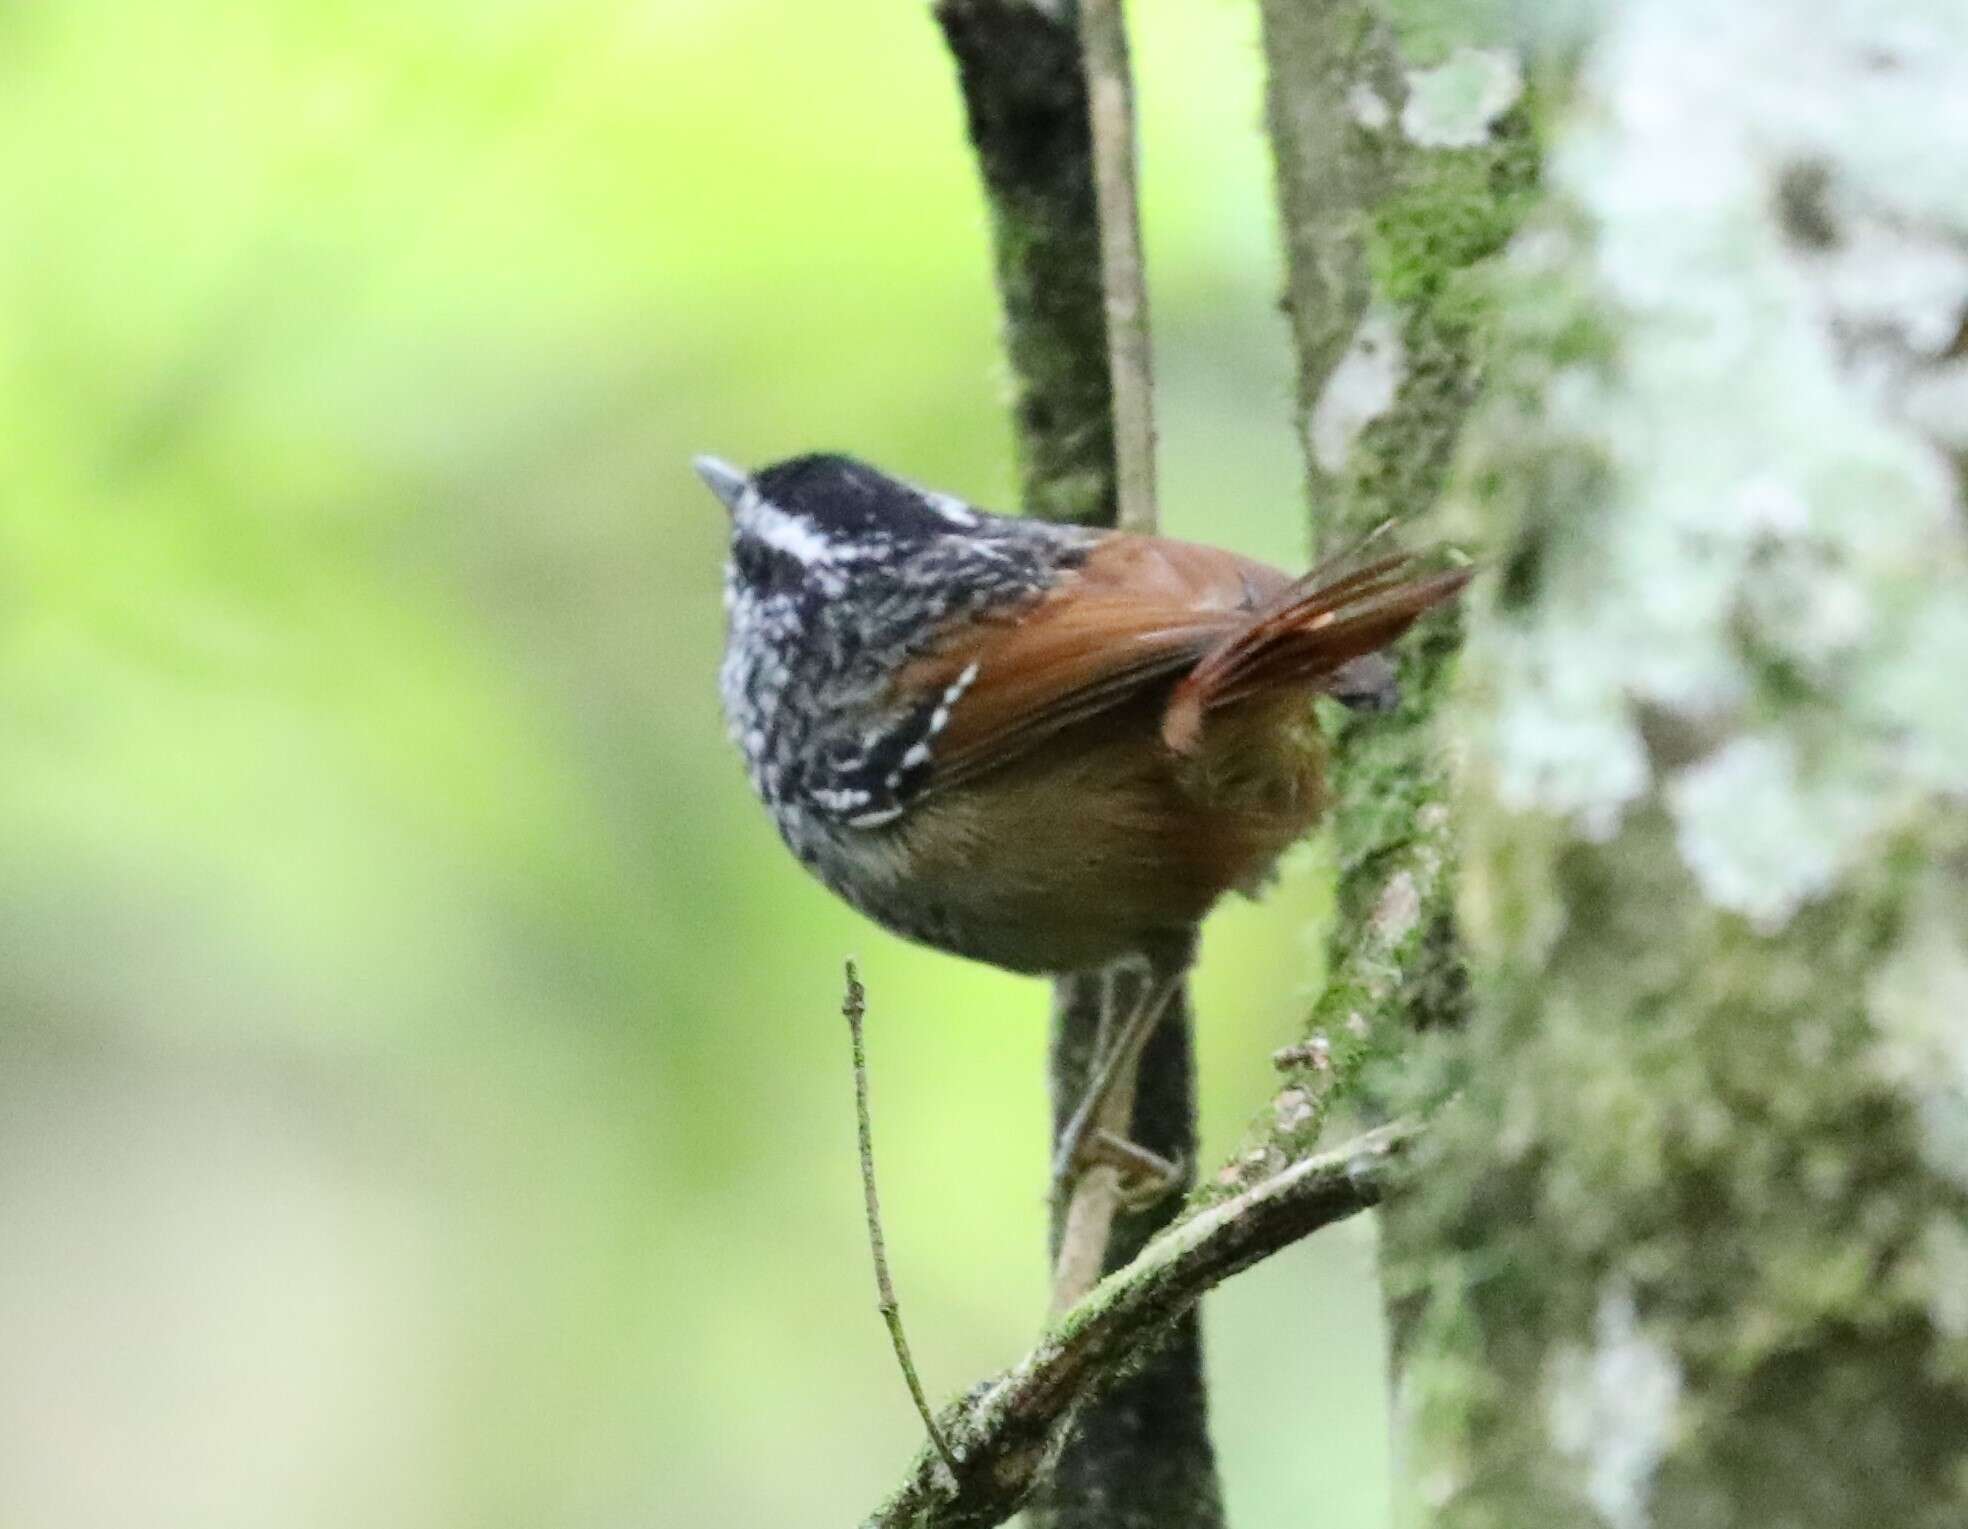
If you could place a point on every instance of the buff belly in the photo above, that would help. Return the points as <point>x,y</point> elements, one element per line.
<point>1102,844</point>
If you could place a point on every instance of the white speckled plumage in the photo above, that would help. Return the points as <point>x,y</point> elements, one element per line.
<point>840,574</point>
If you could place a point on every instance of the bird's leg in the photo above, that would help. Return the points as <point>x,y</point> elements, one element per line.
<point>1095,1159</point>
<point>1119,1052</point>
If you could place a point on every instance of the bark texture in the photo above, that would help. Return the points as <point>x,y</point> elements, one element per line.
<point>1405,162</point>
<point>1690,1249</point>
<point>1018,63</point>
<point>1141,1458</point>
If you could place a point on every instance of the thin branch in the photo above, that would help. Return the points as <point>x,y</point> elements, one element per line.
<point>1142,1455</point>
<point>1396,961</point>
<point>1084,1220</point>
<point>1352,189</point>
<point>1119,1054</point>
<point>1108,1107</point>
<point>1088,1221</point>
<point>1123,270</point>
<point>854,1005</point>
<point>1004,1434</point>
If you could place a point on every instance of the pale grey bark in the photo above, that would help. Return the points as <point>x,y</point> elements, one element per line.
<point>1688,1244</point>
<point>1405,163</point>
<point>1690,1247</point>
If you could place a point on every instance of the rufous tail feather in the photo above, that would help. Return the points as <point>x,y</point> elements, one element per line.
<point>1315,627</point>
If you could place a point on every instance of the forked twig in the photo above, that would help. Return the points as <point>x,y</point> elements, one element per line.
<point>854,1005</point>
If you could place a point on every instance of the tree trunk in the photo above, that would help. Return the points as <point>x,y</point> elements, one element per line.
<point>1686,1245</point>
<point>1689,1248</point>
<point>1405,163</point>
<point>1140,1456</point>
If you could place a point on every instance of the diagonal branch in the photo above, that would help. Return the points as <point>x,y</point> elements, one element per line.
<point>1007,1431</point>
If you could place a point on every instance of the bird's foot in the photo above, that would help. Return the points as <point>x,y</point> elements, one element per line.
<point>1115,1063</point>
<point>1147,1178</point>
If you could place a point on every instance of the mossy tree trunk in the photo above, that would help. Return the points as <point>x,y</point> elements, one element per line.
<point>1689,1245</point>
<point>1404,162</point>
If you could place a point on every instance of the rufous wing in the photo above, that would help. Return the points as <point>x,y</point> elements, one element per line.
<point>1147,610</point>
<point>1140,611</point>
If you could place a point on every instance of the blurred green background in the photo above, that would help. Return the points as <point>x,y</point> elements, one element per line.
<point>423,1099</point>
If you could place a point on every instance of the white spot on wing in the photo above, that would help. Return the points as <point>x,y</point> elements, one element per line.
<point>962,683</point>
<point>953,693</point>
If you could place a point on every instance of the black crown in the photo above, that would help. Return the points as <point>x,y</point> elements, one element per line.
<point>845,498</point>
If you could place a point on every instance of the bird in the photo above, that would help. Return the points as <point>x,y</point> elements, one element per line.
<point>1046,747</point>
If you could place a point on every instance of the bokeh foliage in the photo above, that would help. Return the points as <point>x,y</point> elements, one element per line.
<point>421,1099</point>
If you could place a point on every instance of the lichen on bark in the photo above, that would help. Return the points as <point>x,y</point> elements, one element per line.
<point>1391,216</point>
<point>1687,1250</point>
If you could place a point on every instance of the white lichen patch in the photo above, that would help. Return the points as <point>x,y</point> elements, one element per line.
<point>1760,840</point>
<point>1944,1252</point>
<point>1905,285</point>
<point>1455,104</point>
<point>1770,513</point>
<point>1918,1004</point>
<point>1368,107</point>
<point>1936,402</point>
<point>1361,388</point>
<point>1292,1109</point>
<point>1611,1409</point>
<point>1563,744</point>
<point>1399,907</point>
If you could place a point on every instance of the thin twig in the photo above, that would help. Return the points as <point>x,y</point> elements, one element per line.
<point>1023,66</point>
<point>1109,1101</point>
<point>1089,1221</point>
<point>1010,1429</point>
<point>855,1007</point>
<point>1124,278</point>
<point>1107,1106</point>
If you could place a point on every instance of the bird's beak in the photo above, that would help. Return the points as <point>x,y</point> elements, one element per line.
<point>724,480</point>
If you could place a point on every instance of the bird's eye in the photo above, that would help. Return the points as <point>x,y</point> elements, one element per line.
<point>765,568</point>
